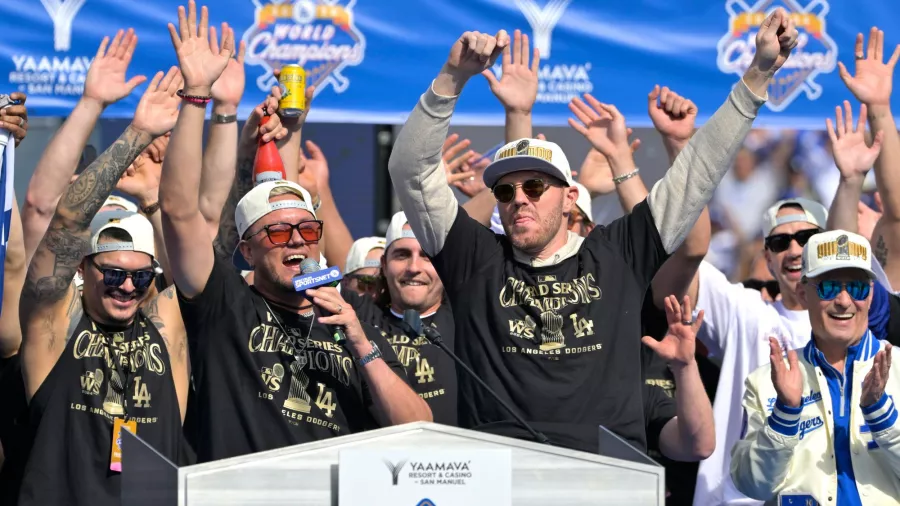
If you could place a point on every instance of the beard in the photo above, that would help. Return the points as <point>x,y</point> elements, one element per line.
<point>531,241</point>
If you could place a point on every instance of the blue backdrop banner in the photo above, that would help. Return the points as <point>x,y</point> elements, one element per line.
<point>371,59</point>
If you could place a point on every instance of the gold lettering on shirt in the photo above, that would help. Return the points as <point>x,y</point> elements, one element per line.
<point>91,381</point>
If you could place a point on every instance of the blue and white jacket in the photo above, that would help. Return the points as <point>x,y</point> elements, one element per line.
<point>829,451</point>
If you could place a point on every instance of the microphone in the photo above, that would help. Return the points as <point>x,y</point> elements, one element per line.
<point>413,323</point>
<point>313,276</point>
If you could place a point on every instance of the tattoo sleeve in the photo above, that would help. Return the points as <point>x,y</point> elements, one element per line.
<point>67,240</point>
<point>227,238</point>
<point>153,314</point>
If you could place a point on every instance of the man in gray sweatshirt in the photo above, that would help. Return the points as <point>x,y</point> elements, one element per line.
<point>551,320</point>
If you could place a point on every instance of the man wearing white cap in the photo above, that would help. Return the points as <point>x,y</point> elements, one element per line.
<point>92,362</point>
<point>821,427</point>
<point>739,323</point>
<point>551,320</point>
<point>363,266</point>
<point>409,281</point>
<point>267,370</point>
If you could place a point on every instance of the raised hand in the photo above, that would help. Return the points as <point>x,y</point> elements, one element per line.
<point>15,117</point>
<point>454,160</point>
<point>473,164</point>
<point>471,54</point>
<point>157,111</point>
<point>199,65</point>
<point>776,38</point>
<point>273,129</point>
<point>518,86</point>
<point>105,81</point>
<point>596,174</point>
<point>679,344</point>
<point>672,115</point>
<point>875,381</point>
<point>867,218</point>
<point>851,154</point>
<point>141,179</point>
<point>229,87</point>
<point>874,79</point>
<point>601,124</point>
<point>313,169</point>
<point>788,379</point>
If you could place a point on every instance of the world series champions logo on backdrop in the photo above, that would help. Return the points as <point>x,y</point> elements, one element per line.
<point>318,35</point>
<point>816,52</point>
<point>56,73</point>
<point>558,81</point>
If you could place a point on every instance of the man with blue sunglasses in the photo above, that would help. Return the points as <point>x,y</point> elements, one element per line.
<point>821,427</point>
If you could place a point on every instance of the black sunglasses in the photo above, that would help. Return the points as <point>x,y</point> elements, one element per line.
<point>533,189</point>
<point>780,242</point>
<point>365,282</point>
<point>281,233</point>
<point>114,278</point>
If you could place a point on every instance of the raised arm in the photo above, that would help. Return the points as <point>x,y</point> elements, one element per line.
<point>45,309</point>
<point>13,279</point>
<point>872,86</point>
<point>338,239</point>
<point>105,84</point>
<point>179,192</point>
<point>677,200</point>
<point>220,154</point>
<point>517,87</point>
<point>415,164</point>
<point>691,435</point>
<point>853,159</point>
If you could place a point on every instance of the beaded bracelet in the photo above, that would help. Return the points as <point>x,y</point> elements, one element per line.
<point>193,99</point>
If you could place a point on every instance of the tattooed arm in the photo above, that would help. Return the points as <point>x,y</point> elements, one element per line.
<point>227,238</point>
<point>48,285</point>
<point>164,313</point>
<point>47,311</point>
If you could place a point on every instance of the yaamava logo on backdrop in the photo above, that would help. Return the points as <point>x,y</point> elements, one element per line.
<point>318,35</point>
<point>57,73</point>
<point>816,52</point>
<point>558,80</point>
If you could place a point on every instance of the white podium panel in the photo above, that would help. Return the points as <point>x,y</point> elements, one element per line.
<point>308,474</point>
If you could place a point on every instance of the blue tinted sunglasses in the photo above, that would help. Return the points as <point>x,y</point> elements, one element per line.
<point>829,289</point>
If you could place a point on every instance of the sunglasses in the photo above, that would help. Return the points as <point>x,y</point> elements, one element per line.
<point>781,242</point>
<point>829,289</point>
<point>533,189</point>
<point>364,281</point>
<point>281,233</point>
<point>114,278</point>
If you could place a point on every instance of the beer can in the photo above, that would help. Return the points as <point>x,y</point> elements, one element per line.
<point>293,90</point>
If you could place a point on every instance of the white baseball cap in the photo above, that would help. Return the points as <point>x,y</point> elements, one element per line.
<point>529,154</point>
<point>117,201</point>
<point>584,202</point>
<point>136,225</point>
<point>356,259</point>
<point>396,231</point>
<point>836,249</point>
<point>814,213</point>
<point>255,205</point>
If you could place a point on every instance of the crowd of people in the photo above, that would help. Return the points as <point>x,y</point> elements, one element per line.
<point>173,313</point>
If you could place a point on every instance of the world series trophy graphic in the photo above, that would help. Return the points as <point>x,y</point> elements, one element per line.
<point>551,331</point>
<point>115,394</point>
<point>298,400</point>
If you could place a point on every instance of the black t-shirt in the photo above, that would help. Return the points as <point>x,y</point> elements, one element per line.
<point>258,389</point>
<point>561,343</point>
<point>430,371</point>
<point>102,374</point>
<point>16,434</point>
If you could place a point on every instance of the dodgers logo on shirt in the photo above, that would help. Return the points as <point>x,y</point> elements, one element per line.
<point>809,425</point>
<point>318,35</point>
<point>816,53</point>
<point>42,72</point>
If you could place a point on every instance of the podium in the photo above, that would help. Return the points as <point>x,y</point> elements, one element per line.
<point>307,474</point>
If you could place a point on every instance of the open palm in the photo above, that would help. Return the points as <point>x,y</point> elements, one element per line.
<point>518,86</point>
<point>851,154</point>
<point>229,87</point>
<point>601,124</point>
<point>680,343</point>
<point>157,111</point>
<point>105,81</point>
<point>199,64</point>
<point>141,181</point>
<point>874,79</point>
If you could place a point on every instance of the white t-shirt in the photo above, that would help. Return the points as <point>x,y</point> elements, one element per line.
<point>737,324</point>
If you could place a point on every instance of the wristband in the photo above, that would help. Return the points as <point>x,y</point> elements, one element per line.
<point>625,177</point>
<point>222,119</point>
<point>149,210</point>
<point>193,99</point>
